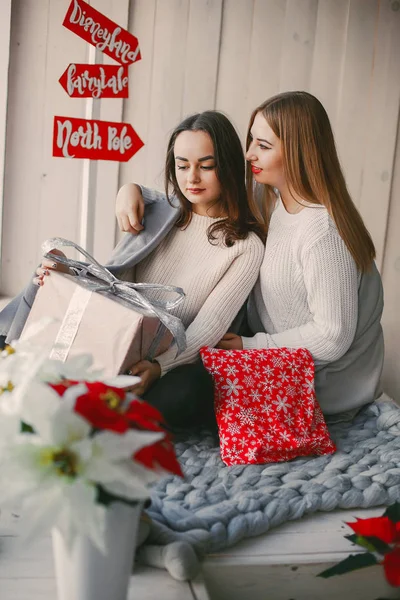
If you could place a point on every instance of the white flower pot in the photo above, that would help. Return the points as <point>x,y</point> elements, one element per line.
<point>84,573</point>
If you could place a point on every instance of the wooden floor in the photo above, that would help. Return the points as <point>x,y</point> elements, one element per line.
<point>280,565</point>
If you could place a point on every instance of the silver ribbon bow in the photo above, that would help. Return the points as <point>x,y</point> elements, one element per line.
<point>122,289</point>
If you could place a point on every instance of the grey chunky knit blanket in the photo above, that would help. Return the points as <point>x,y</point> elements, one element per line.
<point>216,506</point>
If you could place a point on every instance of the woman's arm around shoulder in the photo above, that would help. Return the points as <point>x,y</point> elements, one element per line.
<point>130,206</point>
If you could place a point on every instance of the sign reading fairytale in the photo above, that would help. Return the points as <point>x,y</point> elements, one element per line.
<point>97,140</point>
<point>95,81</point>
<point>98,30</point>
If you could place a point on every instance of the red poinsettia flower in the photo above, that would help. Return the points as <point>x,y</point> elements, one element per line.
<point>107,408</point>
<point>144,416</point>
<point>161,454</point>
<point>379,527</point>
<point>62,387</point>
<point>102,406</point>
<point>391,564</point>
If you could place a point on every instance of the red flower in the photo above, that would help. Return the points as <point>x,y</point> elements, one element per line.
<point>107,408</point>
<point>62,387</point>
<point>391,564</point>
<point>379,527</point>
<point>102,407</point>
<point>161,454</point>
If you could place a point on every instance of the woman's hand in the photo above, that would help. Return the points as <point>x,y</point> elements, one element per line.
<point>148,371</point>
<point>129,208</point>
<point>49,265</point>
<point>230,341</point>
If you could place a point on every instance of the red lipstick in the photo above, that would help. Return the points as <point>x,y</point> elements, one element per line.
<point>255,170</point>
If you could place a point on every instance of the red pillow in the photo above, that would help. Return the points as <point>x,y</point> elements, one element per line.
<point>265,405</point>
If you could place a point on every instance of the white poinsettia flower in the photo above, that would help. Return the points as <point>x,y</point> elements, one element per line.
<point>52,474</point>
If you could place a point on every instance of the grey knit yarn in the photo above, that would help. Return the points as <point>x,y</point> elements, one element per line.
<point>216,506</point>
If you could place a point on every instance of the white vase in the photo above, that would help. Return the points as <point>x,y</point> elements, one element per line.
<point>84,573</point>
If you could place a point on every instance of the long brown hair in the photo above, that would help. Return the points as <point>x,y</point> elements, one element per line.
<point>311,167</point>
<point>230,170</point>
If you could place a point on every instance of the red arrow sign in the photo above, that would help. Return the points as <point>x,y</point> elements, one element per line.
<point>97,140</point>
<point>100,31</point>
<point>95,81</point>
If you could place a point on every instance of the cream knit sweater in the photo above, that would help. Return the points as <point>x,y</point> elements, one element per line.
<point>216,280</point>
<point>311,295</point>
<point>306,295</point>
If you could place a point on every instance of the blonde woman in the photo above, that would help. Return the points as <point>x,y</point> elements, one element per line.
<point>318,286</point>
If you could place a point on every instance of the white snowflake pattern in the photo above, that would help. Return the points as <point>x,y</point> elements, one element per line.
<point>281,403</point>
<point>246,368</point>
<point>249,380</point>
<point>277,361</point>
<point>289,420</point>
<point>268,371</point>
<point>232,387</point>
<point>251,454</point>
<point>309,386</point>
<point>285,436</point>
<point>266,408</point>
<point>246,416</point>
<point>231,370</point>
<point>233,428</point>
<point>251,432</point>
<point>226,416</point>
<point>283,376</point>
<point>232,402</point>
<point>255,395</point>
<point>223,440</point>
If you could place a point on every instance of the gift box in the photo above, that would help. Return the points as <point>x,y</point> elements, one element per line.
<point>88,318</point>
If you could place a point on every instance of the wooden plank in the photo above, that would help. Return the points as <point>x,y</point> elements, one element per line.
<point>59,199</point>
<point>313,535</point>
<point>5,31</point>
<point>24,141</point>
<point>354,91</point>
<point>381,127</point>
<point>265,51</point>
<point>44,201</point>
<point>283,582</point>
<point>136,108</point>
<point>202,56</point>
<point>298,38</point>
<point>25,588</point>
<point>234,62</point>
<point>391,284</point>
<point>329,47</point>
<point>165,101</point>
<point>30,571</point>
<point>105,184</point>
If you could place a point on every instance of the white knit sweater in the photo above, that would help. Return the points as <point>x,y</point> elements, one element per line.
<point>306,295</point>
<point>309,295</point>
<point>216,280</point>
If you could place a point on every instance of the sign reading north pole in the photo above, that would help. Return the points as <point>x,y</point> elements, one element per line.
<point>95,81</point>
<point>98,30</point>
<point>96,140</point>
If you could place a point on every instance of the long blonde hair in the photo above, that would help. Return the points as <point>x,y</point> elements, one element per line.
<point>311,167</point>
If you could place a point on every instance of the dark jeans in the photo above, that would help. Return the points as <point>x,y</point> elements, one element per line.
<point>185,398</point>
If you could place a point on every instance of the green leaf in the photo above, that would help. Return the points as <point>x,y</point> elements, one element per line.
<point>25,428</point>
<point>393,512</point>
<point>351,563</point>
<point>371,543</point>
<point>105,498</point>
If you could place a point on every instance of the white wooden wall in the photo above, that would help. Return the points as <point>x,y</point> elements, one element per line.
<point>201,54</point>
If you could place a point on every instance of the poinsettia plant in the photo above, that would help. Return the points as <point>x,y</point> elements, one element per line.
<point>380,536</point>
<point>71,443</point>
